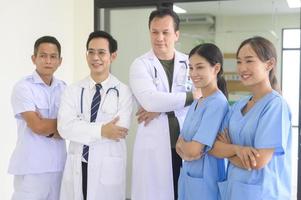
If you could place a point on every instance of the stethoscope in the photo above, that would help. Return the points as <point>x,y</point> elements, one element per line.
<point>187,82</point>
<point>105,109</point>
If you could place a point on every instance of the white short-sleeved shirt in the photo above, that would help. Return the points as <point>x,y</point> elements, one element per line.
<point>35,153</point>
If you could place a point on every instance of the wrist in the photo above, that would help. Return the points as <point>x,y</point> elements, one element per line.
<point>50,135</point>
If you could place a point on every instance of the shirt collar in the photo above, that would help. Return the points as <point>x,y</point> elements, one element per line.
<point>38,80</point>
<point>104,84</point>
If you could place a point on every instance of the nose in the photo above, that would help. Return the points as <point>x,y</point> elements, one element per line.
<point>48,59</point>
<point>159,37</point>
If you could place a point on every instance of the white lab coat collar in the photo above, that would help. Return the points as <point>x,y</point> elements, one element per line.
<point>160,70</point>
<point>88,83</point>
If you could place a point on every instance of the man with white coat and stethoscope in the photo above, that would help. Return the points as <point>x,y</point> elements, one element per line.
<point>95,116</point>
<point>159,81</point>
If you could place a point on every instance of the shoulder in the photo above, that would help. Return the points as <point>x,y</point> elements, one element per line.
<point>181,55</point>
<point>26,83</point>
<point>77,86</point>
<point>119,85</point>
<point>145,58</point>
<point>275,101</point>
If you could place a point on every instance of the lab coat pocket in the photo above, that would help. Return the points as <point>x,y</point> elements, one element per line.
<point>112,171</point>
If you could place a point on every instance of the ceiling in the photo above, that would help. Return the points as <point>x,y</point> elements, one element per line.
<point>239,7</point>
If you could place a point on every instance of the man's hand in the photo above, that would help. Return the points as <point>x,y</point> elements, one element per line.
<point>112,131</point>
<point>146,117</point>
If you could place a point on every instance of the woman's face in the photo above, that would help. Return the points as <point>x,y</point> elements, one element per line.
<point>251,70</point>
<point>201,72</point>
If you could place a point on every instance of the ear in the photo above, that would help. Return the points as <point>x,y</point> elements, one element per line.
<point>33,59</point>
<point>217,68</point>
<point>113,56</point>
<point>177,35</point>
<point>270,64</point>
<point>60,61</point>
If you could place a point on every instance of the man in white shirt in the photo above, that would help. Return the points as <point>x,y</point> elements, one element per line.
<point>39,156</point>
<point>95,116</point>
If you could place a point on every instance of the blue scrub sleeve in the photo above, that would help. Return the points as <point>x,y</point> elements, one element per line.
<point>211,123</point>
<point>274,126</point>
<point>22,99</point>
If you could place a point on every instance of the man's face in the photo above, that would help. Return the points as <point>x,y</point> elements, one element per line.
<point>163,35</point>
<point>46,59</point>
<point>99,57</point>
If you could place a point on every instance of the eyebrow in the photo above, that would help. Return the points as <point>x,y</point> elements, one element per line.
<point>199,63</point>
<point>246,57</point>
<point>96,49</point>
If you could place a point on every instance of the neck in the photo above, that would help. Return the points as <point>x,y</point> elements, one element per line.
<point>46,79</point>
<point>98,78</point>
<point>166,56</point>
<point>209,90</point>
<point>261,90</point>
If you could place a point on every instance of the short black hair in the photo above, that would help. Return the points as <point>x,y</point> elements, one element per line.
<point>162,12</point>
<point>47,39</point>
<point>103,34</point>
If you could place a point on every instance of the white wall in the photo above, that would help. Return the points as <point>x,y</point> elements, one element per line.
<point>22,22</point>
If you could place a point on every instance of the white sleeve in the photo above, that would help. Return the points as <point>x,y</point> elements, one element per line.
<point>147,94</point>
<point>70,125</point>
<point>125,106</point>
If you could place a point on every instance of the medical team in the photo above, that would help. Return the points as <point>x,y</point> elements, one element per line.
<point>190,144</point>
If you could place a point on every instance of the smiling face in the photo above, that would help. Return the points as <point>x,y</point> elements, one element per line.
<point>163,37</point>
<point>47,60</point>
<point>99,57</point>
<point>251,69</point>
<point>202,74</point>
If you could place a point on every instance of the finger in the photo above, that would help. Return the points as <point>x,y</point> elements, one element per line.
<point>140,110</point>
<point>115,120</point>
<point>247,161</point>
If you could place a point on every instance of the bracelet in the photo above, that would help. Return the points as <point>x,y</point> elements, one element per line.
<point>50,135</point>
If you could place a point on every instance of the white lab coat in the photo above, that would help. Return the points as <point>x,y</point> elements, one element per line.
<point>152,170</point>
<point>107,158</point>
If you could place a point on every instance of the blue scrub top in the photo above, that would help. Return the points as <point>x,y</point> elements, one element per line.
<point>266,125</point>
<point>198,178</point>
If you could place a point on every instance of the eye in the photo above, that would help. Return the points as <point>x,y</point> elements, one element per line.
<point>238,62</point>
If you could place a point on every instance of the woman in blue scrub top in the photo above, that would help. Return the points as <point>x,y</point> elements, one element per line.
<point>201,172</point>
<point>258,140</point>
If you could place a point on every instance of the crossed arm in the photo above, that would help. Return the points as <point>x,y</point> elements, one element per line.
<point>245,157</point>
<point>189,150</point>
<point>39,125</point>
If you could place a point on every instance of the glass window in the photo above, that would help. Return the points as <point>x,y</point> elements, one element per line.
<point>291,38</point>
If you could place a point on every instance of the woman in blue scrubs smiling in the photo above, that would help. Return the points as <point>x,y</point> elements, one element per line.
<point>257,140</point>
<point>201,171</point>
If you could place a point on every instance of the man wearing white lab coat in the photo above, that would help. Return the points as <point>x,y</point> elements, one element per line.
<point>159,81</point>
<point>96,159</point>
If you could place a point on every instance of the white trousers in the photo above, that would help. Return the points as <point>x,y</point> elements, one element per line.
<point>44,186</point>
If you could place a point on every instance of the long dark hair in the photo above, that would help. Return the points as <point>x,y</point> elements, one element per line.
<point>213,55</point>
<point>265,50</point>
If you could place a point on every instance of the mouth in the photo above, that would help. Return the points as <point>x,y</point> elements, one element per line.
<point>245,76</point>
<point>96,65</point>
